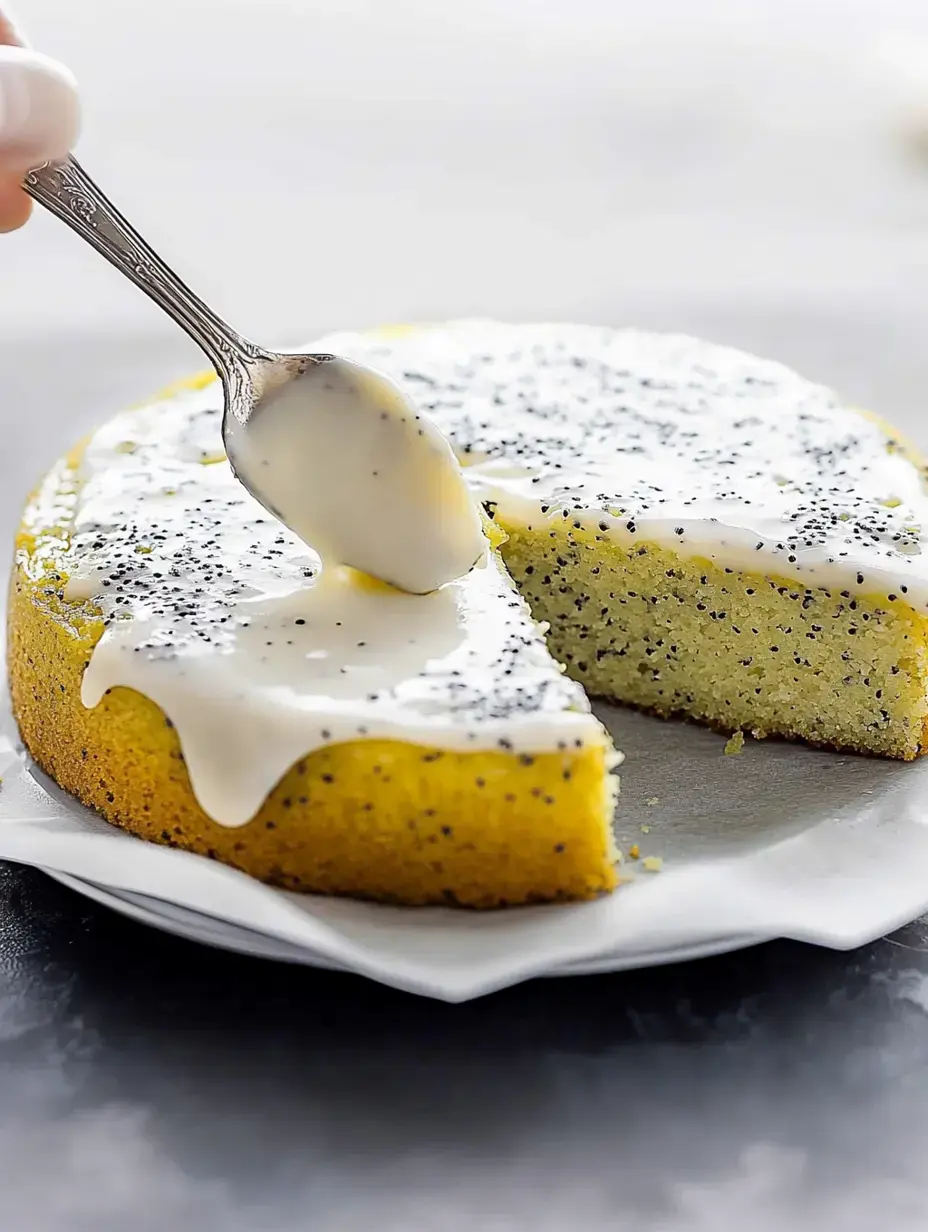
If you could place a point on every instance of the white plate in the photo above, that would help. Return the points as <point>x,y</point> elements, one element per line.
<point>194,926</point>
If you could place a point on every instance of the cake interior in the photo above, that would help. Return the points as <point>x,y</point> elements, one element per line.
<point>643,626</point>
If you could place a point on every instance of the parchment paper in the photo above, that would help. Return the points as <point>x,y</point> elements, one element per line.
<point>778,841</point>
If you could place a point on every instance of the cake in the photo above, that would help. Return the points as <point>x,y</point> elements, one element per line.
<point>683,527</point>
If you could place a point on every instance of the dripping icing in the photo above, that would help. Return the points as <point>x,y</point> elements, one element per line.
<point>222,616</point>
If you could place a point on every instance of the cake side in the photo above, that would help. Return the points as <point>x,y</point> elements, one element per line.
<point>378,818</point>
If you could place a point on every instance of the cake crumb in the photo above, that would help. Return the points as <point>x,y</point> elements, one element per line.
<point>633,852</point>
<point>653,800</point>
<point>645,829</point>
<point>734,745</point>
<point>652,864</point>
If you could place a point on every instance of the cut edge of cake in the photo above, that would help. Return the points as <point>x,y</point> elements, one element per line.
<point>679,636</point>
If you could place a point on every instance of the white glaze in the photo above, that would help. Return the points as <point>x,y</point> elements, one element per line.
<point>195,579</point>
<point>644,436</point>
<point>342,457</point>
<point>637,435</point>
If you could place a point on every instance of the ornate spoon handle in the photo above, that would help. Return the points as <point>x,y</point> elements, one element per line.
<point>67,190</point>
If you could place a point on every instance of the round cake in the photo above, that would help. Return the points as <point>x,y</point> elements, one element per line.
<point>685,528</point>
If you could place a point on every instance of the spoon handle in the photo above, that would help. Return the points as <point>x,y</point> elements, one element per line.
<point>67,190</point>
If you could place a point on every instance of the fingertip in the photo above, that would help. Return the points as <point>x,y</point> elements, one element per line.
<point>9,35</point>
<point>15,205</point>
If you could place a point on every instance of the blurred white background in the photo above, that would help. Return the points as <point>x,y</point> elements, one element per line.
<point>739,168</point>
<point>320,162</point>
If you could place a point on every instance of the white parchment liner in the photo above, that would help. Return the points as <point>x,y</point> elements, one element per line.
<point>779,841</point>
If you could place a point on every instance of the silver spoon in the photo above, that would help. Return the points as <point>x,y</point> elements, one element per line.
<point>334,450</point>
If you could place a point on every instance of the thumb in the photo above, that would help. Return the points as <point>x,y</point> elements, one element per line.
<point>39,111</point>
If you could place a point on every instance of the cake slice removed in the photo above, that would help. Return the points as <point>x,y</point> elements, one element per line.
<point>707,533</point>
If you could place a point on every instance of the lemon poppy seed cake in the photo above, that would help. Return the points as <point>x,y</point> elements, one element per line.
<point>701,533</point>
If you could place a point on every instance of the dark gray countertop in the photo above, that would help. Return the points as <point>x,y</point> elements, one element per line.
<point>148,1085</point>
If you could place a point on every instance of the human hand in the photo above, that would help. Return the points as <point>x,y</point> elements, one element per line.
<point>39,119</point>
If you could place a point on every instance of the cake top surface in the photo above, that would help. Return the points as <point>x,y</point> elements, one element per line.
<point>221,616</point>
<point>217,613</point>
<point>663,438</point>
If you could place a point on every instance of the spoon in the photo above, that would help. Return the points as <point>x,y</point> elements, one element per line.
<point>334,450</point>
